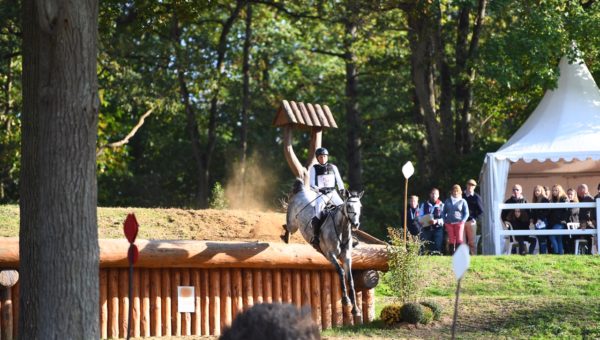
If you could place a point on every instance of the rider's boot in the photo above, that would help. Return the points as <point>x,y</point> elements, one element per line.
<point>316,224</point>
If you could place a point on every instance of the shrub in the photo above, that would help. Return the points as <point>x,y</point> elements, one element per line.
<point>427,316</point>
<point>217,198</point>
<point>390,315</point>
<point>435,308</point>
<point>411,312</point>
<point>405,266</point>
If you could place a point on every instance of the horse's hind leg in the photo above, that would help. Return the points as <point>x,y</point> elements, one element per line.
<point>340,272</point>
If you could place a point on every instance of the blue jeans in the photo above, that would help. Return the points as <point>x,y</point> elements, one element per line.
<point>432,238</point>
<point>556,240</point>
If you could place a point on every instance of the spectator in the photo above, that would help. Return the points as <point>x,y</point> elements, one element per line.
<point>586,215</point>
<point>516,197</point>
<point>557,218</point>
<point>547,192</point>
<point>475,209</point>
<point>455,214</point>
<point>598,194</point>
<point>431,219</point>
<point>539,217</point>
<point>412,216</point>
<point>273,321</point>
<point>520,221</point>
<point>573,217</point>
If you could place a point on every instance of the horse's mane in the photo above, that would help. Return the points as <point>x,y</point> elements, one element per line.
<point>298,186</point>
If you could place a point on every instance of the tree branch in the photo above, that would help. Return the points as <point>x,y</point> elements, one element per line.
<point>128,137</point>
<point>335,54</point>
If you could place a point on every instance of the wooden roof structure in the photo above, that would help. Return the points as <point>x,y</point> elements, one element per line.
<point>304,115</point>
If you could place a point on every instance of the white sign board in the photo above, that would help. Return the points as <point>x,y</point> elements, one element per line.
<point>461,260</point>
<point>185,299</point>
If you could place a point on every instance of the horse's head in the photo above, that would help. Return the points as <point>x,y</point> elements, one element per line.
<point>352,206</point>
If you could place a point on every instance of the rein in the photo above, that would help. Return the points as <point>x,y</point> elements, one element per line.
<point>307,204</point>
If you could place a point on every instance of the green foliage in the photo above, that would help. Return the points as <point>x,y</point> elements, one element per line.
<point>412,312</point>
<point>405,266</point>
<point>217,197</point>
<point>435,308</point>
<point>427,316</point>
<point>390,315</point>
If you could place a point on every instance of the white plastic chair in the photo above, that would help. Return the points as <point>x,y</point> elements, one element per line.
<point>578,242</point>
<point>510,240</point>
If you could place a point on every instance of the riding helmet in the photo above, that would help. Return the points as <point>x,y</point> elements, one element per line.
<point>321,151</point>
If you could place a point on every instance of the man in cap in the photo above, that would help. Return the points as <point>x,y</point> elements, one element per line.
<point>475,210</point>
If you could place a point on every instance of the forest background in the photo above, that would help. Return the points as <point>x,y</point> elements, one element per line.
<point>188,91</point>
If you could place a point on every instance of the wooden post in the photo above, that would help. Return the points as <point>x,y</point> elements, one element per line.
<point>145,296</point>
<point>155,302</point>
<point>103,303</point>
<point>205,296</point>
<point>277,286</point>
<point>248,288</point>
<point>175,315</point>
<point>359,299</point>
<point>237,294</point>
<point>326,309</point>
<point>297,288</point>
<point>15,302</point>
<point>226,313</point>
<point>137,312</point>
<point>336,300</point>
<point>186,318</point>
<point>315,299</point>
<point>369,305</point>
<point>258,285</point>
<point>167,302</point>
<point>197,316</point>
<point>8,279</point>
<point>123,301</point>
<point>267,286</point>
<point>306,288</point>
<point>113,307</point>
<point>286,286</point>
<point>215,303</point>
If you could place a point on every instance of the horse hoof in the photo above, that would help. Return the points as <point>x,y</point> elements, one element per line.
<point>346,301</point>
<point>286,237</point>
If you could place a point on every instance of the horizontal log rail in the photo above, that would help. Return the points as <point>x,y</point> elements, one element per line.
<point>214,254</point>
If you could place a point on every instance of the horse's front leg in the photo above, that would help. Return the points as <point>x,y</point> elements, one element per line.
<point>348,269</point>
<point>340,271</point>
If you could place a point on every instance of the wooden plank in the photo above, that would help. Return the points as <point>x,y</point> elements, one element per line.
<point>226,313</point>
<point>248,288</point>
<point>155,303</point>
<point>315,299</point>
<point>237,293</point>
<point>186,318</point>
<point>359,300</point>
<point>313,115</point>
<point>297,288</point>
<point>306,288</point>
<point>145,296</point>
<point>103,282</point>
<point>6,313</point>
<point>137,311</point>
<point>123,301</point>
<point>329,116</point>
<point>369,305</point>
<point>336,300</point>
<point>277,286</point>
<point>175,315</point>
<point>305,114</point>
<point>286,286</point>
<point>113,307</point>
<point>257,289</point>
<point>288,110</point>
<point>197,316</point>
<point>267,286</point>
<point>326,310</point>
<point>321,115</point>
<point>165,278</point>
<point>205,296</point>
<point>215,302</point>
<point>297,113</point>
<point>15,302</point>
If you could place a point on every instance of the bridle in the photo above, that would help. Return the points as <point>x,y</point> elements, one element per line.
<point>350,215</point>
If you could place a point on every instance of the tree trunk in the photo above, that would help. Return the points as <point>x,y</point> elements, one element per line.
<point>245,99</point>
<point>353,120</point>
<point>58,229</point>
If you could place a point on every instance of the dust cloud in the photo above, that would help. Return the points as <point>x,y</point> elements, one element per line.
<point>252,187</point>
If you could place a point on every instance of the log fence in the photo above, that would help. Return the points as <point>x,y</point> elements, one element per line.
<point>228,278</point>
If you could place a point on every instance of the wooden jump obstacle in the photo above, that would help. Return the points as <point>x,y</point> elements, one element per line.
<point>228,277</point>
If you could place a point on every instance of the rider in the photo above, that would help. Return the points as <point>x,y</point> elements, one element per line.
<point>324,177</point>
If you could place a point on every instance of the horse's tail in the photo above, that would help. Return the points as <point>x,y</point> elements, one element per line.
<point>298,186</point>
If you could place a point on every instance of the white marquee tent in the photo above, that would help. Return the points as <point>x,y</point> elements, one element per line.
<point>563,132</point>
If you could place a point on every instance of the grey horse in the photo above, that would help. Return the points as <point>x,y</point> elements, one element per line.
<point>335,239</point>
